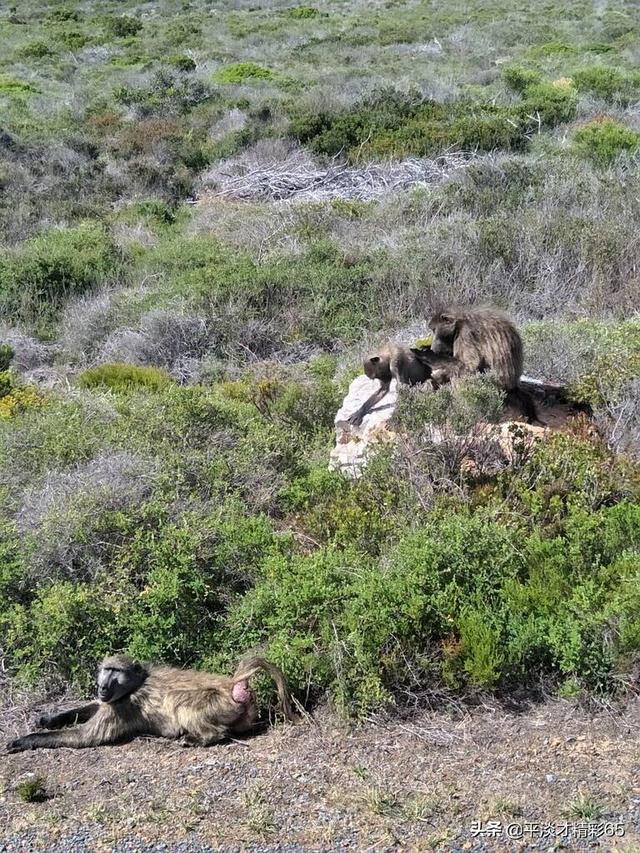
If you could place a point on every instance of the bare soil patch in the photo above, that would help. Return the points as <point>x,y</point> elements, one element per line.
<point>415,784</point>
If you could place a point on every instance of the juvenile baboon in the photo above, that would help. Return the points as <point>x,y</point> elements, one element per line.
<point>481,340</point>
<point>409,366</point>
<point>135,699</point>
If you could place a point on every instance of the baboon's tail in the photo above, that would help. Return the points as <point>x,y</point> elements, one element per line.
<point>250,666</point>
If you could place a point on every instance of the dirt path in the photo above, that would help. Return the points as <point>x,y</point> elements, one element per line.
<point>416,785</point>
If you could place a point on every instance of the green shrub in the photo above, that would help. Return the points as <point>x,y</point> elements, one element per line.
<point>602,140</point>
<point>191,572</point>
<point>154,209</point>
<point>301,12</point>
<point>529,575</point>
<point>519,79</point>
<point>32,790</point>
<point>176,609</point>
<point>307,406</point>
<point>612,359</point>
<point>6,355</point>
<point>123,26</point>
<point>487,128</point>
<point>395,124</point>
<point>61,432</point>
<point>12,86</point>
<point>552,48</point>
<point>466,600</point>
<point>553,103</point>
<point>36,50</point>
<point>6,383</point>
<point>73,39</point>
<point>64,14</point>
<point>61,617</point>
<point>336,618</point>
<point>182,62</point>
<point>166,94</point>
<point>240,72</point>
<point>124,377</point>
<point>606,82</point>
<point>183,32</point>
<point>36,277</point>
<point>460,408</point>
<point>365,515</point>
<point>16,398</point>
<point>160,592</point>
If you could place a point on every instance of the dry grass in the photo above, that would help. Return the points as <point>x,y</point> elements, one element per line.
<point>275,172</point>
<point>57,514</point>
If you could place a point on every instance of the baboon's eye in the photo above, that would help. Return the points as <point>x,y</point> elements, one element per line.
<point>447,318</point>
<point>375,359</point>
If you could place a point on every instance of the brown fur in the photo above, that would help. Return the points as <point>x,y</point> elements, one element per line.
<point>481,340</point>
<point>409,366</point>
<point>162,701</point>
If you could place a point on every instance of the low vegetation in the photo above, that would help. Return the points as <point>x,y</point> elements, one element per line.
<point>394,124</point>
<point>172,358</point>
<point>32,790</point>
<point>226,530</point>
<point>605,139</point>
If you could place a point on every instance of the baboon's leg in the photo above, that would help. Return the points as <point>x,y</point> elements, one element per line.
<point>525,402</point>
<point>67,718</point>
<point>356,418</point>
<point>439,377</point>
<point>208,736</point>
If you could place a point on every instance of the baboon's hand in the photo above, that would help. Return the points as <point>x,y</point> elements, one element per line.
<point>20,744</point>
<point>355,419</point>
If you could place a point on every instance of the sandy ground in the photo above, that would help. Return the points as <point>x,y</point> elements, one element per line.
<point>555,774</point>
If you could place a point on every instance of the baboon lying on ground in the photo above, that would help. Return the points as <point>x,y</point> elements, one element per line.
<point>407,365</point>
<point>481,340</point>
<point>135,699</point>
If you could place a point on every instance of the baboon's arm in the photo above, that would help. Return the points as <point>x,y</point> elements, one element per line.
<point>106,731</point>
<point>75,738</point>
<point>466,350</point>
<point>356,418</point>
<point>67,718</point>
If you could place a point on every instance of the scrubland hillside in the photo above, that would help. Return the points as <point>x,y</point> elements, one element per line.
<point>208,212</point>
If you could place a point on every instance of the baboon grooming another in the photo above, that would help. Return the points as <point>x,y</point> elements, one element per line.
<point>409,366</point>
<point>135,700</point>
<point>483,339</point>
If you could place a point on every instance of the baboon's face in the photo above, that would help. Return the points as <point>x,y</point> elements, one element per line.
<point>443,327</point>
<point>117,678</point>
<point>371,366</point>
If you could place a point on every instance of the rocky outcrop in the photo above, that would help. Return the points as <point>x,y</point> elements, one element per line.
<point>354,445</point>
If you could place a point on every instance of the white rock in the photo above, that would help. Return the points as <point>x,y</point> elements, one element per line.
<point>353,444</point>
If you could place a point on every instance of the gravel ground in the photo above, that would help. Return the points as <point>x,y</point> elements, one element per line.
<point>413,784</point>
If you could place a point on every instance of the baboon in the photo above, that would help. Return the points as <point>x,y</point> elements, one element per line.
<point>483,339</point>
<point>409,366</point>
<point>135,699</point>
